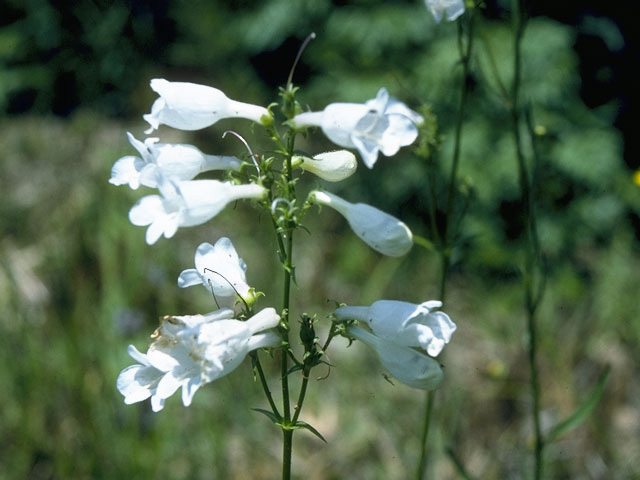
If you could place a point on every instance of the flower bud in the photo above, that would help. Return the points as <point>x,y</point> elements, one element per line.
<point>330,166</point>
<point>381,231</point>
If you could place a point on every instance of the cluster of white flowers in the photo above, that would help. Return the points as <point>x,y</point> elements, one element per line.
<point>171,168</point>
<point>190,351</point>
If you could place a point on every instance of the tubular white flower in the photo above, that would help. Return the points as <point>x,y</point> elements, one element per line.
<point>189,106</point>
<point>219,268</point>
<point>452,8</point>
<point>330,166</point>
<point>186,204</point>
<point>175,162</point>
<point>411,367</point>
<point>380,125</point>
<point>403,323</point>
<point>192,350</point>
<point>381,231</point>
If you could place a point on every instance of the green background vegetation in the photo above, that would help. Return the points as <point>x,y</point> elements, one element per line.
<point>78,283</point>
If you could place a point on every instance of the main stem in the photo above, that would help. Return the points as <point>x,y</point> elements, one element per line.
<point>531,296</point>
<point>447,236</point>
<point>287,431</point>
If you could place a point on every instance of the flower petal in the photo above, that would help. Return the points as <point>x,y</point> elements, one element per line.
<point>146,210</point>
<point>189,278</point>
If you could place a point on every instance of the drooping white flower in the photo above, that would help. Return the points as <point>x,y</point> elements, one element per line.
<point>175,162</point>
<point>330,166</point>
<point>406,364</point>
<point>403,323</point>
<point>380,125</point>
<point>192,350</point>
<point>381,231</point>
<point>219,268</point>
<point>189,106</point>
<point>452,8</point>
<point>185,204</point>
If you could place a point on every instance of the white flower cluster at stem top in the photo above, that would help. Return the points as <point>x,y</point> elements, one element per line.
<point>192,350</point>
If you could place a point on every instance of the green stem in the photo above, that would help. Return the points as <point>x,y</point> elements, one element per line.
<point>465,57</point>
<point>287,432</point>
<point>303,392</point>
<point>265,385</point>
<point>447,236</point>
<point>422,464</point>
<point>532,297</point>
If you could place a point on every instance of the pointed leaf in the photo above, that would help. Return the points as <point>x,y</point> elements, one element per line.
<point>462,471</point>
<point>306,426</point>
<point>295,368</point>
<point>272,416</point>
<point>583,411</point>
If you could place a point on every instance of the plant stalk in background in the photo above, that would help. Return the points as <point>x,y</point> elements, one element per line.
<point>452,220</point>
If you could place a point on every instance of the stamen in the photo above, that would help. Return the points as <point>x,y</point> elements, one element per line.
<point>310,37</point>
<point>251,154</point>
<point>230,284</point>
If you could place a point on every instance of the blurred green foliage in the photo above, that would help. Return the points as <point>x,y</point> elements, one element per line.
<point>77,282</point>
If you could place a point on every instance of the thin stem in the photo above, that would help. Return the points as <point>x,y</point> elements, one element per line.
<point>465,57</point>
<point>532,297</point>
<point>287,432</point>
<point>303,392</point>
<point>422,464</point>
<point>265,385</point>
<point>447,237</point>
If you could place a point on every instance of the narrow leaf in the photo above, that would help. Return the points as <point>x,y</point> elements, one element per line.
<point>462,471</point>
<point>583,411</point>
<point>273,417</point>
<point>305,425</point>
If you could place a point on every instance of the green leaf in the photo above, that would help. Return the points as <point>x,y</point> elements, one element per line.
<point>583,411</point>
<point>462,471</point>
<point>294,369</point>
<point>272,416</point>
<point>305,425</point>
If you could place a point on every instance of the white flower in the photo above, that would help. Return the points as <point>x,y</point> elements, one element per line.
<point>139,382</point>
<point>218,268</point>
<point>403,323</point>
<point>381,231</point>
<point>382,124</point>
<point>188,106</point>
<point>165,160</point>
<point>330,166</point>
<point>193,350</point>
<point>185,204</point>
<point>406,364</point>
<point>452,8</point>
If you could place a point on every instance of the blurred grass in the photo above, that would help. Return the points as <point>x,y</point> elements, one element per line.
<point>78,283</point>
